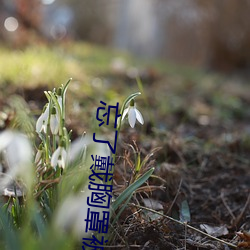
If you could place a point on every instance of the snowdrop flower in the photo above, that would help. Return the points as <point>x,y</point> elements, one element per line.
<point>72,213</point>
<point>42,122</point>
<point>79,146</point>
<point>133,114</point>
<point>17,152</point>
<point>54,121</point>
<point>59,157</point>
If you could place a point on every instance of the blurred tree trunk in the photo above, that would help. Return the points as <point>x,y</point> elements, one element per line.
<point>212,33</point>
<point>92,20</point>
<point>229,34</point>
<point>28,14</point>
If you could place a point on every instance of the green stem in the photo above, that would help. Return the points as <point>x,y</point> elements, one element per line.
<point>54,142</point>
<point>65,87</point>
<point>127,100</point>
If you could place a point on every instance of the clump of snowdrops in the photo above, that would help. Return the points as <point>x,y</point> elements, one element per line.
<point>47,176</point>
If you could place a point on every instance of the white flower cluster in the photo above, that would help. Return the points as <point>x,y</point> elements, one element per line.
<point>50,116</point>
<point>51,119</point>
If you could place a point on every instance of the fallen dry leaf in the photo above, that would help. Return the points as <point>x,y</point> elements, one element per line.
<point>245,236</point>
<point>214,230</point>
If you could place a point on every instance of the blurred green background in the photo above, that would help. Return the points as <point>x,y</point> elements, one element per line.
<point>191,56</point>
<point>193,60</point>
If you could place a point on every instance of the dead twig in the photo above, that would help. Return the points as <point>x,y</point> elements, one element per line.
<point>227,207</point>
<point>239,217</point>
<point>122,246</point>
<point>177,193</point>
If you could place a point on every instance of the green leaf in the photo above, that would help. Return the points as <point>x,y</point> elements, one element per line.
<point>65,87</point>
<point>11,237</point>
<point>122,209</point>
<point>39,222</point>
<point>138,163</point>
<point>185,212</point>
<point>128,191</point>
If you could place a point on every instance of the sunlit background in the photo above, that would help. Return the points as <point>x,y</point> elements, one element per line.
<point>190,61</point>
<point>212,34</point>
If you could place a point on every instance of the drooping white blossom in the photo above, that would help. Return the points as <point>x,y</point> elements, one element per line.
<point>133,114</point>
<point>42,122</point>
<point>59,157</point>
<point>54,121</point>
<point>71,214</point>
<point>16,149</point>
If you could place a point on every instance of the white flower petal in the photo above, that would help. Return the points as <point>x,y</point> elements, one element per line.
<point>18,155</point>
<point>133,114</point>
<point>63,158</point>
<point>59,99</point>
<point>83,147</point>
<point>64,154</point>
<point>68,214</point>
<point>55,156</point>
<point>54,124</point>
<point>132,117</point>
<point>59,158</point>
<point>39,123</point>
<point>70,217</point>
<point>19,151</point>
<point>77,148</point>
<point>42,121</point>
<point>124,113</point>
<point>46,113</point>
<point>61,163</point>
<point>44,127</point>
<point>5,139</point>
<point>139,116</point>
